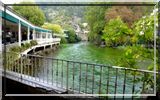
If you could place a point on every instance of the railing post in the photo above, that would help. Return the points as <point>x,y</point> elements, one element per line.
<point>67,76</point>
<point>80,79</point>
<point>107,80</point>
<point>62,75</point>
<point>21,65</point>
<point>124,83</point>
<point>100,79</point>
<point>32,67</point>
<point>57,73</point>
<point>28,66</point>
<point>73,77</point>
<point>143,85</point>
<point>133,87</point>
<point>93,79</point>
<point>115,91</point>
<point>52,71</point>
<point>39,73</point>
<point>86,77</point>
<point>47,69</point>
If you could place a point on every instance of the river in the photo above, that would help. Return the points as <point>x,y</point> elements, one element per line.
<point>89,53</point>
<point>80,77</point>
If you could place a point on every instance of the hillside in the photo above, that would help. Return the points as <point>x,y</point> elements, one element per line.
<point>69,17</point>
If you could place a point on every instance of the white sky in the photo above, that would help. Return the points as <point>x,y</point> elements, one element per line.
<point>13,1</point>
<point>17,1</point>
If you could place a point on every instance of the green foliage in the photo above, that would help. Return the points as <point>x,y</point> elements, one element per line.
<point>32,13</point>
<point>116,32</point>
<point>94,16</point>
<point>54,27</point>
<point>72,37</point>
<point>97,17</point>
<point>144,28</point>
<point>26,46</point>
<point>133,54</point>
<point>33,42</point>
<point>23,47</point>
<point>63,40</point>
<point>15,49</point>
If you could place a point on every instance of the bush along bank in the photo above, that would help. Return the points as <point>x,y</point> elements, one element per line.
<point>72,37</point>
<point>18,49</point>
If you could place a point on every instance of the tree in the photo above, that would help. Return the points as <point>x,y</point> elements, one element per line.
<point>125,13</point>
<point>98,16</point>
<point>129,14</point>
<point>144,28</point>
<point>32,13</point>
<point>116,32</point>
<point>54,27</point>
<point>72,36</point>
<point>94,16</point>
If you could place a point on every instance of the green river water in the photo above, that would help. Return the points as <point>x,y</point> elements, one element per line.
<point>89,53</point>
<point>93,79</point>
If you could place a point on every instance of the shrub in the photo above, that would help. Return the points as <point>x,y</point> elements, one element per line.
<point>26,45</point>
<point>15,49</point>
<point>116,32</point>
<point>33,42</point>
<point>63,40</point>
<point>72,37</point>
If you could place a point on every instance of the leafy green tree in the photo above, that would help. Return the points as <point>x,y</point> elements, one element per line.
<point>94,16</point>
<point>116,32</point>
<point>144,31</point>
<point>72,37</point>
<point>144,28</point>
<point>32,13</point>
<point>54,27</point>
<point>134,53</point>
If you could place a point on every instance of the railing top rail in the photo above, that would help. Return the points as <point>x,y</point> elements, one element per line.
<point>94,64</point>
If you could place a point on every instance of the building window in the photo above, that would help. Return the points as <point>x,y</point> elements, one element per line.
<point>37,35</point>
<point>43,35</point>
<point>48,35</point>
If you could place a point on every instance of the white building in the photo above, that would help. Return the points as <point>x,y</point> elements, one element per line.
<point>21,30</point>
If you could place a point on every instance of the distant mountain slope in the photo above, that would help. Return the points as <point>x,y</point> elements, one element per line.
<point>64,15</point>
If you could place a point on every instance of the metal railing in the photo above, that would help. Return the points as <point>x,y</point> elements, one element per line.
<point>79,77</point>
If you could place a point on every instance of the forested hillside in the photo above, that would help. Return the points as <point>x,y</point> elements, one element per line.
<point>64,15</point>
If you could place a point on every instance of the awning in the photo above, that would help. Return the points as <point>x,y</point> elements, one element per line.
<point>42,30</point>
<point>8,17</point>
<point>24,24</point>
<point>15,20</point>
